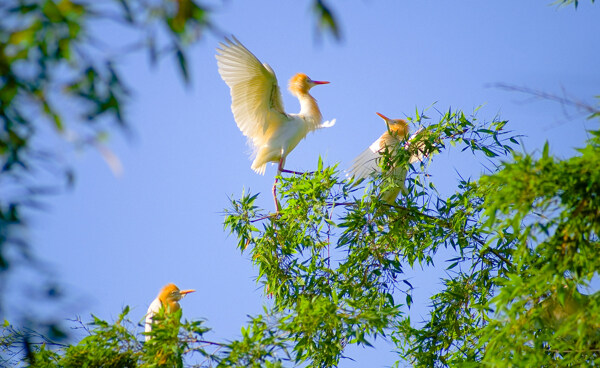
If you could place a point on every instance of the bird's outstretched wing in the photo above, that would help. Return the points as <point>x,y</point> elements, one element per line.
<point>255,95</point>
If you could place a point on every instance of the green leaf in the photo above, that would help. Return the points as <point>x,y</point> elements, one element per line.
<point>488,152</point>
<point>126,10</point>
<point>182,61</point>
<point>546,151</point>
<point>452,266</point>
<point>326,19</point>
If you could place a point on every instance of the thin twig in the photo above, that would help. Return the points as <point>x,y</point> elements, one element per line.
<point>206,342</point>
<point>549,96</point>
<point>265,217</point>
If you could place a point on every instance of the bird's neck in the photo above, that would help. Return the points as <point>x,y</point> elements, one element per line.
<point>170,306</point>
<point>309,110</point>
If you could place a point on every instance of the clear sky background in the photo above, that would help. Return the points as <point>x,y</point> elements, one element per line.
<point>115,241</point>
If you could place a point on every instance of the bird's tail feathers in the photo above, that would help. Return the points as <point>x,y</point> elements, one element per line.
<point>259,169</point>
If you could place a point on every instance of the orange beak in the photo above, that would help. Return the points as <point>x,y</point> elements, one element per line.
<point>320,82</point>
<point>184,292</point>
<point>383,116</point>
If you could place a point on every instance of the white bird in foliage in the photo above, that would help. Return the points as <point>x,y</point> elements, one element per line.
<point>258,109</point>
<point>368,163</point>
<point>168,298</point>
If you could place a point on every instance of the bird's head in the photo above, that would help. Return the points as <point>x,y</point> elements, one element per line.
<point>398,127</point>
<point>301,83</point>
<point>171,293</point>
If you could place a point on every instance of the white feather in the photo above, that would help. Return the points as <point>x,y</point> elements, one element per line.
<point>367,163</point>
<point>152,310</point>
<point>257,107</point>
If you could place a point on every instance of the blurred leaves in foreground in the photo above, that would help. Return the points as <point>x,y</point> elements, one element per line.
<point>59,78</point>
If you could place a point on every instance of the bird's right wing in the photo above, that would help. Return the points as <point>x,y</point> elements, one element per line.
<point>255,96</point>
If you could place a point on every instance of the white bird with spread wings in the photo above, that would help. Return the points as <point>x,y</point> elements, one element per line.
<point>258,109</point>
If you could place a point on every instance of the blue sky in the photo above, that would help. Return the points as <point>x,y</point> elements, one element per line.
<point>115,241</point>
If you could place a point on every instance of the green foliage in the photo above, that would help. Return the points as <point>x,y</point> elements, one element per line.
<point>113,344</point>
<point>173,344</point>
<point>333,260</point>
<point>108,345</point>
<point>550,208</point>
<point>261,345</point>
<point>519,244</point>
<point>333,263</point>
<point>171,340</point>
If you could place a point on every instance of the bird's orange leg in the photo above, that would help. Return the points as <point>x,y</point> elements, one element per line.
<point>275,195</point>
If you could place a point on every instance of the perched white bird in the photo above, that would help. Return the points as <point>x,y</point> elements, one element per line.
<point>168,298</point>
<point>368,163</point>
<point>258,109</point>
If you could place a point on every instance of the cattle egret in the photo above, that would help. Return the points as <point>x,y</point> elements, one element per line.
<point>168,298</point>
<point>367,162</point>
<point>258,108</point>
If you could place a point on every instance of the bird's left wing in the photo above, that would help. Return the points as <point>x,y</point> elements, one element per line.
<point>255,95</point>
<point>152,310</point>
<point>367,162</point>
